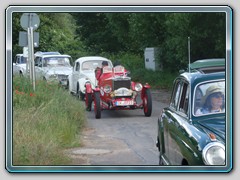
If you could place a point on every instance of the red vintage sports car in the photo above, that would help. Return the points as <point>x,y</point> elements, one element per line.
<point>116,91</point>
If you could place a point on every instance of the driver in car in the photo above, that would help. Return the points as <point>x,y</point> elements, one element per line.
<point>213,101</point>
<point>98,71</point>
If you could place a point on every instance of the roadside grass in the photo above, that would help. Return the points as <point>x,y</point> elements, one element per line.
<point>45,123</point>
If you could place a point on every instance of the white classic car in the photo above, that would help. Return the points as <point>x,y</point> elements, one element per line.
<point>83,72</point>
<point>53,67</point>
<point>19,65</point>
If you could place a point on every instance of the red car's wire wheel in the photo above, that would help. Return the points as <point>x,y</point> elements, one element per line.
<point>88,101</point>
<point>147,103</point>
<point>97,105</point>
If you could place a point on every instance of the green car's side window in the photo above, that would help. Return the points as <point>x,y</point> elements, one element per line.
<point>183,106</point>
<point>176,95</point>
<point>180,96</point>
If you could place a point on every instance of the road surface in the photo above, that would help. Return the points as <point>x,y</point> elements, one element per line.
<point>124,137</point>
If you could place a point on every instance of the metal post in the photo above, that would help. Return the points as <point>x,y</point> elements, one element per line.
<point>189,61</point>
<point>190,89</point>
<point>27,65</point>
<point>29,54</point>
<point>32,58</point>
<point>30,22</point>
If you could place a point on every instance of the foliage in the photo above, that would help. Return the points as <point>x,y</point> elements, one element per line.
<point>133,32</point>
<point>146,30</point>
<point>94,33</point>
<point>45,122</point>
<point>156,79</point>
<point>16,28</point>
<point>57,32</point>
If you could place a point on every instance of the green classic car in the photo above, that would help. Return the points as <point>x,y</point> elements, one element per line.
<point>193,132</point>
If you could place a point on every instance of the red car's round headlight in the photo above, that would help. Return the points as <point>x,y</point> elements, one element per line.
<point>107,89</point>
<point>138,86</point>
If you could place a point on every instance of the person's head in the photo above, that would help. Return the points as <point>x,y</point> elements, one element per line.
<point>214,98</point>
<point>104,63</point>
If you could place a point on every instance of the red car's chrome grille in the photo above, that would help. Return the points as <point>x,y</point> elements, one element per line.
<point>121,83</point>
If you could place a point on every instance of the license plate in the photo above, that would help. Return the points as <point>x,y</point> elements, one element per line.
<point>124,103</point>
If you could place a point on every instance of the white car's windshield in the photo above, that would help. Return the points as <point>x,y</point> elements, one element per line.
<point>92,65</point>
<point>209,98</point>
<point>56,61</point>
<point>21,60</point>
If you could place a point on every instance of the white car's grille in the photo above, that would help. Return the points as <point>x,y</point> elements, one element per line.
<point>62,77</point>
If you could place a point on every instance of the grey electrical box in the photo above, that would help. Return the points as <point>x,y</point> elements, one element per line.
<point>151,58</point>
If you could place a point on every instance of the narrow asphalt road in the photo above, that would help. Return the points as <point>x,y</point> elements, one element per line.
<point>124,137</point>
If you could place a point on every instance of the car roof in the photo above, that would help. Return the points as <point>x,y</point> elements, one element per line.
<point>56,55</point>
<point>87,58</point>
<point>39,53</point>
<point>209,65</point>
<point>198,77</point>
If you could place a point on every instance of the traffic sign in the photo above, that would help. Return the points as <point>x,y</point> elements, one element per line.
<point>23,39</point>
<point>29,20</point>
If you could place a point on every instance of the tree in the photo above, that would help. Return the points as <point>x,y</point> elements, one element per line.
<point>57,32</point>
<point>207,34</point>
<point>96,33</point>
<point>91,33</point>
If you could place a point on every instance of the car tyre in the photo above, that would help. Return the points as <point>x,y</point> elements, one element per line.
<point>158,144</point>
<point>81,95</point>
<point>69,90</point>
<point>160,160</point>
<point>147,103</point>
<point>21,74</point>
<point>97,107</point>
<point>88,101</point>
<point>67,85</point>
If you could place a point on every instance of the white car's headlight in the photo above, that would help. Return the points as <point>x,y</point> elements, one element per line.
<point>138,86</point>
<point>214,154</point>
<point>107,89</point>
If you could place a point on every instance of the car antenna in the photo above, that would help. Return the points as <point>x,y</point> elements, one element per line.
<point>189,70</point>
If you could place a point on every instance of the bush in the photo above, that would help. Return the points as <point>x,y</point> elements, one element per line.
<point>156,79</point>
<point>128,60</point>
